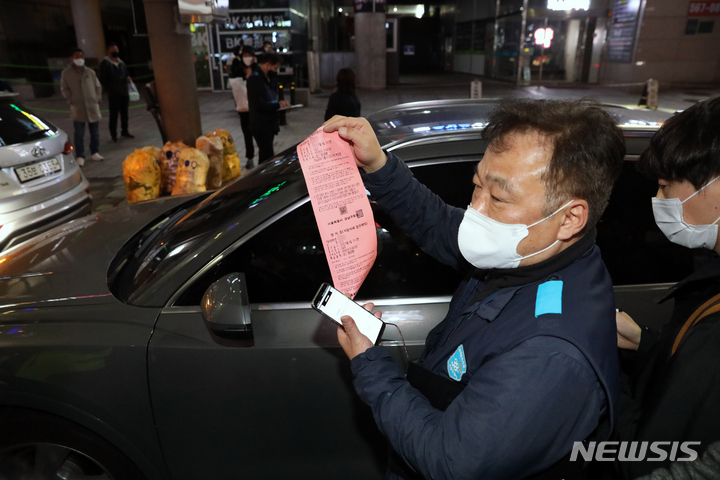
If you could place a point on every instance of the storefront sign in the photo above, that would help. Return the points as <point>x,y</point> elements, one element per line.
<point>621,41</point>
<point>256,20</point>
<point>567,5</point>
<point>544,36</point>
<point>701,9</point>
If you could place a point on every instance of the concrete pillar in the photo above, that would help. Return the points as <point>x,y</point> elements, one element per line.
<point>174,71</point>
<point>371,50</point>
<point>89,29</point>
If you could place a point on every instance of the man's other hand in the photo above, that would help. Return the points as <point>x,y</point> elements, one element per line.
<point>284,103</point>
<point>351,340</point>
<point>361,137</point>
<point>628,332</point>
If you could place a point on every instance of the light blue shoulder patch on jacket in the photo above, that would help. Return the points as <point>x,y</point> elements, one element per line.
<point>456,364</point>
<point>549,298</point>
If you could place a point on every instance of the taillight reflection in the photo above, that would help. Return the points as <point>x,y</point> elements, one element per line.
<point>68,148</point>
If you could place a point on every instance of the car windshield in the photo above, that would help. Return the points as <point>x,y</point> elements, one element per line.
<point>165,244</point>
<point>18,125</point>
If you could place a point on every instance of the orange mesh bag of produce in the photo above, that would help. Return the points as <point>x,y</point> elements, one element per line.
<point>154,152</point>
<point>231,162</point>
<point>212,147</point>
<point>142,176</point>
<point>168,165</point>
<point>192,172</point>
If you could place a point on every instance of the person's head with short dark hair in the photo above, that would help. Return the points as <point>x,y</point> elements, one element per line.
<point>248,50</point>
<point>684,158</point>
<point>269,62</point>
<point>77,58</point>
<point>271,58</point>
<point>113,50</point>
<point>345,80</point>
<point>687,146</point>
<point>585,147</point>
<point>268,47</point>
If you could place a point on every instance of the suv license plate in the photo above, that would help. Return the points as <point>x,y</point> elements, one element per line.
<point>40,169</point>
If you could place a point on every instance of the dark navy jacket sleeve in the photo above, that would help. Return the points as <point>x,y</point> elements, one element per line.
<point>499,426</point>
<point>421,214</point>
<point>259,96</point>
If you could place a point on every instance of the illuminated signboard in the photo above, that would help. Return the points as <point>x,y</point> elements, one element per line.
<point>700,9</point>
<point>544,36</point>
<point>623,28</point>
<point>568,5</point>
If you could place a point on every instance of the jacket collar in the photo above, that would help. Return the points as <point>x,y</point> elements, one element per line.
<point>113,62</point>
<point>708,272</point>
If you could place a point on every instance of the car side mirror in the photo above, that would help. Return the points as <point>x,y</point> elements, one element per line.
<point>225,306</point>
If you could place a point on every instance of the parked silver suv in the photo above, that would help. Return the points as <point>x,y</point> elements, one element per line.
<point>41,185</point>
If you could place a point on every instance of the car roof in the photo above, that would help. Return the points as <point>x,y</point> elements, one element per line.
<point>441,116</point>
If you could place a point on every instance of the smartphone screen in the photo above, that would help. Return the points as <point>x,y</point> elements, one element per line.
<point>335,305</point>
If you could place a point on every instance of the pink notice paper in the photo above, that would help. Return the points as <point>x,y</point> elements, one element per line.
<point>342,210</point>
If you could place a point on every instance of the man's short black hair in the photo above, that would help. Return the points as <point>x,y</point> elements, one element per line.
<point>587,148</point>
<point>112,44</point>
<point>687,146</point>
<point>249,50</point>
<point>270,57</point>
<point>76,49</point>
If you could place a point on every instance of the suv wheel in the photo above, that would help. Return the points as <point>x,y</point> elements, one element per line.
<point>38,446</point>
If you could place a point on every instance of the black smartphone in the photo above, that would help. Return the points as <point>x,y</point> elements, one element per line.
<point>333,304</point>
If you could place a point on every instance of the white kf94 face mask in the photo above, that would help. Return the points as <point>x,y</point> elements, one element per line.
<point>487,243</point>
<point>668,214</point>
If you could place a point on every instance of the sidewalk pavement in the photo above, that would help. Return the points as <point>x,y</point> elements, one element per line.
<point>217,111</point>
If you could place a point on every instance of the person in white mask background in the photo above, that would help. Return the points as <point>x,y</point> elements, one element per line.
<point>242,67</point>
<point>525,362</point>
<point>673,393</point>
<point>82,90</point>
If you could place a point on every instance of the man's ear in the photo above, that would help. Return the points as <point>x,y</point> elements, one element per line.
<point>575,217</point>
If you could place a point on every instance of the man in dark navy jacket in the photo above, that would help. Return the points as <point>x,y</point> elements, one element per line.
<point>263,102</point>
<point>524,364</point>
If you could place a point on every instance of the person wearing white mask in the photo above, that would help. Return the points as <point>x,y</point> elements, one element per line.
<point>243,65</point>
<point>524,363</point>
<point>673,390</point>
<point>81,88</point>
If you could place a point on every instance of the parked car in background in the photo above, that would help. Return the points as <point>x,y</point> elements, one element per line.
<point>117,361</point>
<point>41,186</point>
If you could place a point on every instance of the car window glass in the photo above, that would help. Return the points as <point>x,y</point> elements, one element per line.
<point>285,262</point>
<point>634,249</point>
<point>18,125</point>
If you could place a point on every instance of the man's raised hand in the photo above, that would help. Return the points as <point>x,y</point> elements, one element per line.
<point>361,137</point>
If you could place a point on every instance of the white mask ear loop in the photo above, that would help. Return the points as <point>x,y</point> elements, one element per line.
<point>553,214</point>
<point>556,241</point>
<point>703,188</point>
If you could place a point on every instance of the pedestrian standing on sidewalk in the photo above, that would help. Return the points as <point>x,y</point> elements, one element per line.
<point>115,79</point>
<point>264,105</point>
<point>81,88</point>
<point>242,67</point>
<point>343,101</point>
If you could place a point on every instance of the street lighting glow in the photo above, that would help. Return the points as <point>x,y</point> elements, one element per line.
<point>420,11</point>
<point>340,9</point>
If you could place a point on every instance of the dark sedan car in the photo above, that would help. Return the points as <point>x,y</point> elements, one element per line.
<point>110,368</point>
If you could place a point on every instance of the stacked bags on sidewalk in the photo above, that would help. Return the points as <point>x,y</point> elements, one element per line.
<point>178,169</point>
